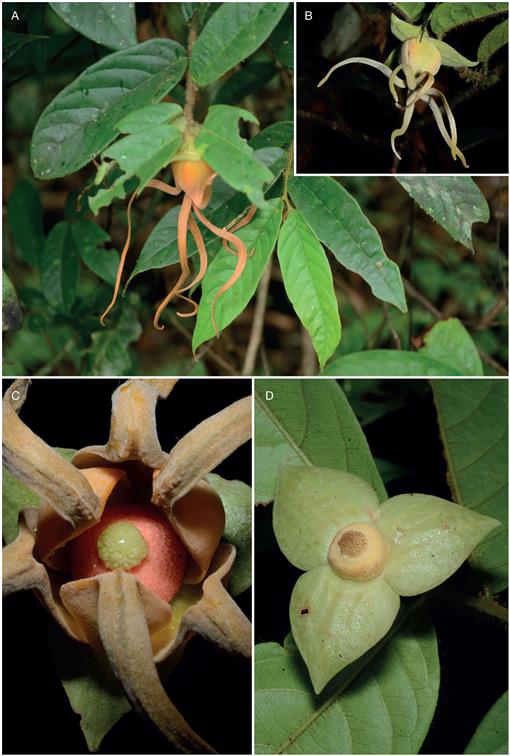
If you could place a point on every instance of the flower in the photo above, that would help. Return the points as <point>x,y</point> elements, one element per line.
<point>420,59</point>
<point>359,557</point>
<point>194,177</point>
<point>153,500</point>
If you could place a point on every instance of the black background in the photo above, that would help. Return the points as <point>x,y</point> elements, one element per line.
<point>360,95</point>
<point>210,688</point>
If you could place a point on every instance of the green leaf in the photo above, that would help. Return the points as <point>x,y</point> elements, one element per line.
<point>259,237</point>
<point>491,735</point>
<point>89,239</point>
<point>15,497</point>
<point>455,202</point>
<point>110,24</point>
<point>236,498</point>
<point>25,216</point>
<point>412,11</point>
<point>311,423</point>
<point>150,115</point>
<point>229,154</point>
<point>93,691</point>
<point>450,343</point>
<point>493,41</point>
<point>312,504</point>
<point>143,154</point>
<point>448,16</point>
<point>430,538</point>
<point>245,81</point>
<point>199,10</point>
<point>388,362</point>
<point>235,31</point>
<point>388,708</point>
<point>80,121</point>
<point>13,41</point>
<point>110,354</point>
<point>11,311</point>
<point>338,221</point>
<point>278,134</point>
<point>309,284</point>
<point>473,423</point>
<point>281,41</point>
<point>60,268</point>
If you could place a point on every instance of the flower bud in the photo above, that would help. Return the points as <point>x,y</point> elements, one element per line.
<point>195,179</point>
<point>421,56</point>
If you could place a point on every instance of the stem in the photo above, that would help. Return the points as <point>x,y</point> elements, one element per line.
<point>287,172</point>
<point>191,87</point>
<point>258,321</point>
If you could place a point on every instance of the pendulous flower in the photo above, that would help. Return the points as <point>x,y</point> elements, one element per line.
<point>125,547</point>
<point>420,59</point>
<point>359,557</point>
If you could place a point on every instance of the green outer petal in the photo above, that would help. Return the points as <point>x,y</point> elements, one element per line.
<point>311,504</point>
<point>344,619</point>
<point>430,538</point>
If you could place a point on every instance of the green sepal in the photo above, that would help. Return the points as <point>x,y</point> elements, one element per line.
<point>334,621</point>
<point>430,538</point>
<point>311,505</point>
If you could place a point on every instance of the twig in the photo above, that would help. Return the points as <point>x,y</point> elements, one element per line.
<point>207,349</point>
<point>191,87</point>
<point>500,370</point>
<point>394,334</point>
<point>408,286</point>
<point>308,358</point>
<point>491,315</point>
<point>258,321</point>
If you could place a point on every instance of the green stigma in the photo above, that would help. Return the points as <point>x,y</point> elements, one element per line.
<point>121,545</point>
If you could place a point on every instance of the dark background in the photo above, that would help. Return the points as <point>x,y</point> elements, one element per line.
<point>209,687</point>
<point>345,126</point>
<point>472,648</point>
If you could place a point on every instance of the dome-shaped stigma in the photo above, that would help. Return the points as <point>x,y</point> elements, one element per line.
<point>358,552</point>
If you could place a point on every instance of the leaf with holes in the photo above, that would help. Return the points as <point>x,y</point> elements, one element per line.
<point>229,154</point>
<point>89,239</point>
<point>455,202</point>
<point>309,284</point>
<point>476,448</point>
<point>80,121</point>
<point>338,221</point>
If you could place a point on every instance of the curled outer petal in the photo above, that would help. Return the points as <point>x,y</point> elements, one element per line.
<point>133,432</point>
<point>125,635</point>
<point>192,507</point>
<point>41,468</point>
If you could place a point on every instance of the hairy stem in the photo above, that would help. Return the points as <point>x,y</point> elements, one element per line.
<point>191,87</point>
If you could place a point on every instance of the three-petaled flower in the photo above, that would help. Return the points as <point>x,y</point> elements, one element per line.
<point>360,557</point>
<point>124,529</point>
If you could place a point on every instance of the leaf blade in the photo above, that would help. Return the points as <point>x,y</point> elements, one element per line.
<point>338,221</point>
<point>234,31</point>
<point>455,202</point>
<point>80,121</point>
<point>476,449</point>
<point>110,24</point>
